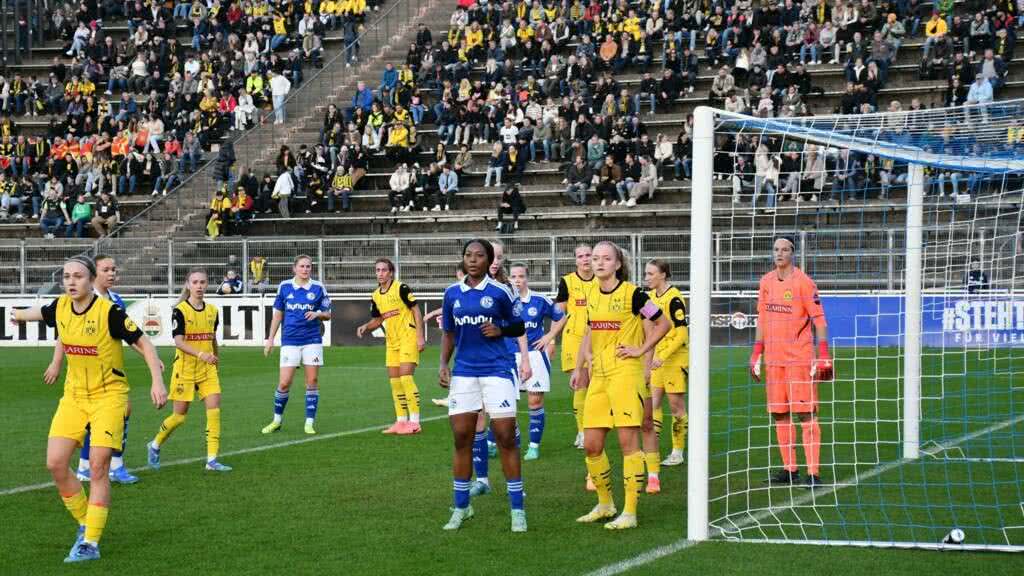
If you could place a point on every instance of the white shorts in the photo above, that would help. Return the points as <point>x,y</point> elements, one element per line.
<point>307,355</point>
<point>494,394</point>
<point>541,367</point>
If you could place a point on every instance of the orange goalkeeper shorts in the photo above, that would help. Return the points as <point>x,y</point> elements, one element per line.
<point>791,389</point>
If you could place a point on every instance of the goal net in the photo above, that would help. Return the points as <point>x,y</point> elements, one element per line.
<point>909,223</point>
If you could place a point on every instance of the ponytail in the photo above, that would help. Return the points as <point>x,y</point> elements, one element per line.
<point>622,274</point>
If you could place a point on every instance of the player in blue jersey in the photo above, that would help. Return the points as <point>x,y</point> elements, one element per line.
<point>301,306</point>
<point>536,307</point>
<point>106,277</point>
<point>478,314</point>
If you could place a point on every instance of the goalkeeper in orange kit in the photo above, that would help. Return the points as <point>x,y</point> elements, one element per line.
<point>788,306</point>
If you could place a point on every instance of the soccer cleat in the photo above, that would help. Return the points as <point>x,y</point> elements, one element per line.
<point>308,428</point>
<point>409,428</point>
<point>459,515</point>
<point>813,481</point>
<point>215,466</point>
<point>579,441</point>
<point>653,485</point>
<point>600,512</point>
<point>674,459</point>
<point>784,477</point>
<point>590,484</point>
<point>439,401</point>
<point>492,449</point>
<point>79,538</point>
<point>478,488</point>
<point>519,520</point>
<point>153,456</point>
<point>123,476</point>
<point>395,428</point>
<point>532,453</point>
<point>83,475</point>
<point>623,522</point>
<point>271,428</point>
<point>83,553</point>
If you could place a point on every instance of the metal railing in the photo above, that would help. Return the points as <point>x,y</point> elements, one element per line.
<point>24,24</point>
<point>838,259</point>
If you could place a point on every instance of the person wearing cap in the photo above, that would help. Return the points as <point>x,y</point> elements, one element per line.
<point>788,305</point>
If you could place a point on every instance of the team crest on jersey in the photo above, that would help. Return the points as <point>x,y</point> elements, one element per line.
<point>679,315</point>
<point>90,328</point>
<point>310,296</point>
<point>616,305</point>
<point>487,302</point>
<point>787,295</point>
<point>130,326</point>
<point>532,311</point>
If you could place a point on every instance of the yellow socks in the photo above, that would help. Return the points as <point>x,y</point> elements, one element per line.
<point>95,521</point>
<point>412,397</point>
<point>679,427</point>
<point>212,433</point>
<point>658,416</point>
<point>601,473</point>
<point>653,460</point>
<point>77,505</point>
<point>168,426</point>
<point>398,396</point>
<point>579,398</point>
<point>633,478</point>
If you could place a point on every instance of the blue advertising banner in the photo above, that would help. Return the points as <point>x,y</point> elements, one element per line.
<point>949,321</point>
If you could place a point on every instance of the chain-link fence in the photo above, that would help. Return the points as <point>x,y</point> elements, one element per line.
<point>839,259</point>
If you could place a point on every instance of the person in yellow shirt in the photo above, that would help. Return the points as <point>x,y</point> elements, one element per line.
<point>194,327</point>
<point>668,372</point>
<point>91,330</point>
<point>574,291</point>
<point>393,307</point>
<point>397,148</point>
<point>280,31</point>
<point>623,328</point>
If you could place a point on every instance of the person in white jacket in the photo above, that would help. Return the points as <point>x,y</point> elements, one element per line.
<point>400,182</point>
<point>244,110</point>
<point>279,88</point>
<point>283,189</point>
<point>648,182</point>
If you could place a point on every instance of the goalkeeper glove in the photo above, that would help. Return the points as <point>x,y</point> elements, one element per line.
<point>755,361</point>
<point>821,368</point>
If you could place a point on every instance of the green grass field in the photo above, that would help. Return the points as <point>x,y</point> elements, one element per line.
<point>353,501</point>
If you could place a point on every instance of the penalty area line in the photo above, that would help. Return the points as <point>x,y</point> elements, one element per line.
<point>682,544</point>
<point>250,450</point>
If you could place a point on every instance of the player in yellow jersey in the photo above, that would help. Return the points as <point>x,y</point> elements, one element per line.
<point>91,330</point>
<point>394,307</point>
<point>573,293</point>
<point>623,328</point>
<point>668,372</point>
<point>194,329</point>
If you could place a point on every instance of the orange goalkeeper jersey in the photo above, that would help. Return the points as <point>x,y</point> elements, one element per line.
<point>785,311</point>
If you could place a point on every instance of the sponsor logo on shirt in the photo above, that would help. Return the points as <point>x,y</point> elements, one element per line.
<point>200,337</point>
<point>605,325</point>
<point>779,308</point>
<point>390,314</point>
<point>472,320</point>
<point>581,302</point>
<point>81,350</point>
<point>309,307</point>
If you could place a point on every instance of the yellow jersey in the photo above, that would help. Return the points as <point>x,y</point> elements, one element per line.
<point>616,319</point>
<point>575,292</point>
<point>394,307</point>
<point>92,342</point>
<point>674,349</point>
<point>199,328</point>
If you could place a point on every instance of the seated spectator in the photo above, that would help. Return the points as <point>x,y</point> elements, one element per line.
<point>511,203</point>
<point>259,278</point>
<point>241,210</point>
<point>53,214</point>
<point>340,195</point>
<point>578,177</point>
<point>81,215</point>
<point>230,284</point>
<point>647,184</point>
<point>608,179</point>
<point>107,215</point>
<point>447,188</point>
<point>401,184</point>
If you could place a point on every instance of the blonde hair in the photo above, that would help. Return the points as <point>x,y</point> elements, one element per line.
<point>188,277</point>
<point>622,256</point>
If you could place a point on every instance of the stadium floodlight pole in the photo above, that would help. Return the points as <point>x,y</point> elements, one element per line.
<point>700,324</point>
<point>912,317</point>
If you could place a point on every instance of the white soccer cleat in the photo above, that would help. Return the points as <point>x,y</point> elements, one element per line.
<point>459,515</point>
<point>674,459</point>
<point>623,522</point>
<point>600,512</point>
<point>579,441</point>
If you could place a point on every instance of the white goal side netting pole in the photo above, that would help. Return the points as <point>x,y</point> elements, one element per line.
<point>912,311</point>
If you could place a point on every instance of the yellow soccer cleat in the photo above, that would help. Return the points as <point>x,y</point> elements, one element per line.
<point>309,428</point>
<point>600,512</point>
<point>623,522</point>
<point>271,428</point>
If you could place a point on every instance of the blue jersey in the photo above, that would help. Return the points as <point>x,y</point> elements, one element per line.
<point>464,311</point>
<point>294,301</point>
<point>115,298</point>
<point>537,307</point>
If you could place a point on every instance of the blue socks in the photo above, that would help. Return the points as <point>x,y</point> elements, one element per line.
<point>515,493</point>
<point>312,400</point>
<point>280,401</point>
<point>480,456</point>
<point>460,488</point>
<point>536,426</point>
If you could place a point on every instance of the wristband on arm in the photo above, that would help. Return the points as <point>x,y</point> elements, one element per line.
<point>758,349</point>
<point>823,350</point>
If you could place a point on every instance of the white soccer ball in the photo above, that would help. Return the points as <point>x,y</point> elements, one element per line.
<point>955,536</point>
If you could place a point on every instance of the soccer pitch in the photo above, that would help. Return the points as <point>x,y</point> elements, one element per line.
<point>353,501</point>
